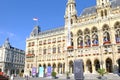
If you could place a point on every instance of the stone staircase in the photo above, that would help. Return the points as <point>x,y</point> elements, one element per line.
<point>112,76</point>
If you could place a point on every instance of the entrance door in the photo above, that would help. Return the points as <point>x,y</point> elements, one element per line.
<point>108,65</point>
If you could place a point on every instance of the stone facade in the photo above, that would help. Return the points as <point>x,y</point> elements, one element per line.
<point>11,59</point>
<point>94,37</point>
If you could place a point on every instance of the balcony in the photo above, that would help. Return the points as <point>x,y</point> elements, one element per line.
<point>80,47</point>
<point>107,42</point>
<point>70,48</point>
<point>95,45</point>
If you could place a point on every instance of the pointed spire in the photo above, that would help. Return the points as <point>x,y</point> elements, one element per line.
<point>7,43</point>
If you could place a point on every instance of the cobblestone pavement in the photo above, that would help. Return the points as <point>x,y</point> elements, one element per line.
<point>63,77</point>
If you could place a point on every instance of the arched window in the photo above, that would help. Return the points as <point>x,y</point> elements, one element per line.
<point>94,36</point>
<point>80,42</point>
<point>95,40</point>
<point>87,40</point>
<point>105,12</point>
<point>101,13</point>
<point>117,32</point>
<point>106,35</point>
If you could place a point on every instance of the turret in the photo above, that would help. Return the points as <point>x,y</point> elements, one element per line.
<point>103,8</point>
<point>70,9</point>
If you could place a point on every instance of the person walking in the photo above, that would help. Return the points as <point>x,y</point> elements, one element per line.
<point>12,77</point>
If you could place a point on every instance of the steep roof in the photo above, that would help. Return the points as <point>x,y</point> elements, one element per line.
<point>88,11</point>
<point>115,3</point>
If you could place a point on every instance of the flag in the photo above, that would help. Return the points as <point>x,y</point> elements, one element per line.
<point>35,19</point>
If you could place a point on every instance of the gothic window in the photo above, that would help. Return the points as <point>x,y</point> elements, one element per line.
<point>101,13</point>
<point>86,31</point>
<point>71,21</point>
<point>95,40</point>
<point>105,12</point>
<point>87,41</point>
<point>80,42</point>
<point>72,44</point>
<point>106,37</point>
<point>117,32</point>
<point>79,33</point>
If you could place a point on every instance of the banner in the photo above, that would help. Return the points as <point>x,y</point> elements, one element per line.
<point>49,70</point>
<point>34,71</point>
<point>41,72</point>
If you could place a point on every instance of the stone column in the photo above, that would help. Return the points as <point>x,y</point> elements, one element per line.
<point>66,63</point>
<point>93,67</point>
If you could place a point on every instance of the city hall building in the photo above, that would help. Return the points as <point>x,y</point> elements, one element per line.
<point>93,36</point>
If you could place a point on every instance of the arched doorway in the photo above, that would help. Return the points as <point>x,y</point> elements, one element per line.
<point>89,66</point>
<point>54,67</point>
<point>44,66</point>
<point>39,65</point>
<point>108,65</point>
<point>97,64</point>
<point>60,68</point>
<point>71,68</point>
<point>118,65</point>
<point>49,64</point>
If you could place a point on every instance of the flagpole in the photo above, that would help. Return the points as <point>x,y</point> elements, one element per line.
<point>36,21</point>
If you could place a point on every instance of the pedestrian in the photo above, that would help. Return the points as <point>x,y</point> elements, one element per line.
<point>27,77</point>
<point>12,77</point>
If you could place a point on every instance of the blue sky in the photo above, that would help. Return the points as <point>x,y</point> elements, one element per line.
<point>16,17</point>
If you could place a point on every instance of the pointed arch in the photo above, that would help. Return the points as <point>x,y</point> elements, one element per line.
<point>109,65</point>
<point>86,31</point>
<point>97,64</point>
<point>89,65</point>
<point>79,33</point>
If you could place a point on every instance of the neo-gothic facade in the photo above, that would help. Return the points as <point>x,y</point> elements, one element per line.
<point>94,37</point>
<point>11,59</point>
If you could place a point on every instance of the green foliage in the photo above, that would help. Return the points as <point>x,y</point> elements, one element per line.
<point>101,71</point>
<point>53,74</point>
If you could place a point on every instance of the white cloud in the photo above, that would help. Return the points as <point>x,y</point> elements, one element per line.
<point>7,34</point>
<point>10,34</point>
